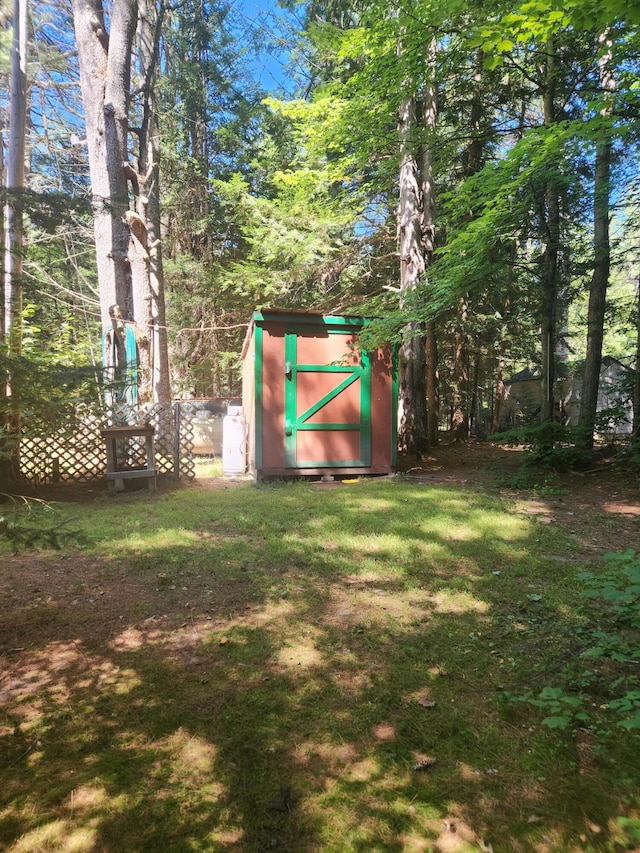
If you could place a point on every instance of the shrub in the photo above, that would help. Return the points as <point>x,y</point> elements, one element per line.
<point>549,445</point>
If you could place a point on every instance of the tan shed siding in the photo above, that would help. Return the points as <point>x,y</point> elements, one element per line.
<point>273,395</point>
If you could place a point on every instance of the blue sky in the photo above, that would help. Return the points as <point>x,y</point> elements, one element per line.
<point>269,63</point>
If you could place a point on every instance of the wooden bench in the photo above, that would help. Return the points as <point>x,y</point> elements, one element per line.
<point>115,476</point>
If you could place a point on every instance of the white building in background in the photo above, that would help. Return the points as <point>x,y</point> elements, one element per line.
<point>523,398</point>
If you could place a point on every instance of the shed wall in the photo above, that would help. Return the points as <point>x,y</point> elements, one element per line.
<point>273,396</point>
<point>249,394</point>
<point>264,401</point>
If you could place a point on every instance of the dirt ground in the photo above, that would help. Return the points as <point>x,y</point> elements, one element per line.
<point>599,509</point>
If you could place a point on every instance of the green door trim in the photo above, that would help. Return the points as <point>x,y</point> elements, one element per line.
<point>258,378</point>
<point>304,320</point>
<point>295,423</point>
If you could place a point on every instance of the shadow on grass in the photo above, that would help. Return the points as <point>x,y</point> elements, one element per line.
<point>296,669</point>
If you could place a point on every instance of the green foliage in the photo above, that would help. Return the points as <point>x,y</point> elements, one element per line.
<point>41,391</point>
<point>606,682</point>
<point>549,445</point>
<point>493,212</point>
<point>563,709</point>
<point>40,387</point>
<point>609,420</point>
<point>620,586</point>
<point>542,482</point>
<point>47,210</point>
<point>633,455</point>
<point>297,247</point>
<point>35,524</point>
<point>539,20</point>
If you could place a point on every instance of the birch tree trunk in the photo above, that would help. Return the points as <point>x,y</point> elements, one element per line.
<point>13,217</point>
<point>13,242</point>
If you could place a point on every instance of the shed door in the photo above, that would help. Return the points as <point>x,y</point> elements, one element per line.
<point>327,401</point>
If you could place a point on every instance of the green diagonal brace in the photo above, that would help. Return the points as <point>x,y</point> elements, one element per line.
<point>356,373</point>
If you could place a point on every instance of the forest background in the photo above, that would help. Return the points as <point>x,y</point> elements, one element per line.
<point>466,173</point>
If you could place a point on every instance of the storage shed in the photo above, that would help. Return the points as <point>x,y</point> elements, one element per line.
<point>314,403</point>
<point>523,398</point>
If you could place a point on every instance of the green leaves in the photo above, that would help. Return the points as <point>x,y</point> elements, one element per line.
<point>563,707</point>
<point>613,637</point>
<point>36,526</point>
<point>620,586</point>
<point>536,21</point>
<point>628,706</point>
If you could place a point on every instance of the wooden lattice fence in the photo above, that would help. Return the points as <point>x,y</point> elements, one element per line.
<point>72,449</point>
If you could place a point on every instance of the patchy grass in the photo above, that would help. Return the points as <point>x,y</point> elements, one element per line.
<point>300,667</point>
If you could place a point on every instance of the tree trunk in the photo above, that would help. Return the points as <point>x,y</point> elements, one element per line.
<point>602,259</point>
<point>498,398</point>
<point>548,330</point>
<point>2,258</point>
<point>412,435</point>
<point>416,226</point>
<point>475,409</point>
<point>475,148</point>
<point>550,225</point>
<point>5,448</point>
<point>427,187</point>
<point>13,242</point>
<point>500,387</point>
<point>128,242</point>
<point>148,271</point>
<point>104,61</point>
<point>636,383</point>
<point>433,385</point>
<point>460,376</point>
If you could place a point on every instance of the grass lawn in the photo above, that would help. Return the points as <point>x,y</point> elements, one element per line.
<point>307,667</point>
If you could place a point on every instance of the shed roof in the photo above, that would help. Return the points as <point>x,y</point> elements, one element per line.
<point>301,318</point>
<point>524,375</point>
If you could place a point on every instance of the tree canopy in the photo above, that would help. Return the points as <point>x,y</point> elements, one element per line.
<point>518,125</point>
